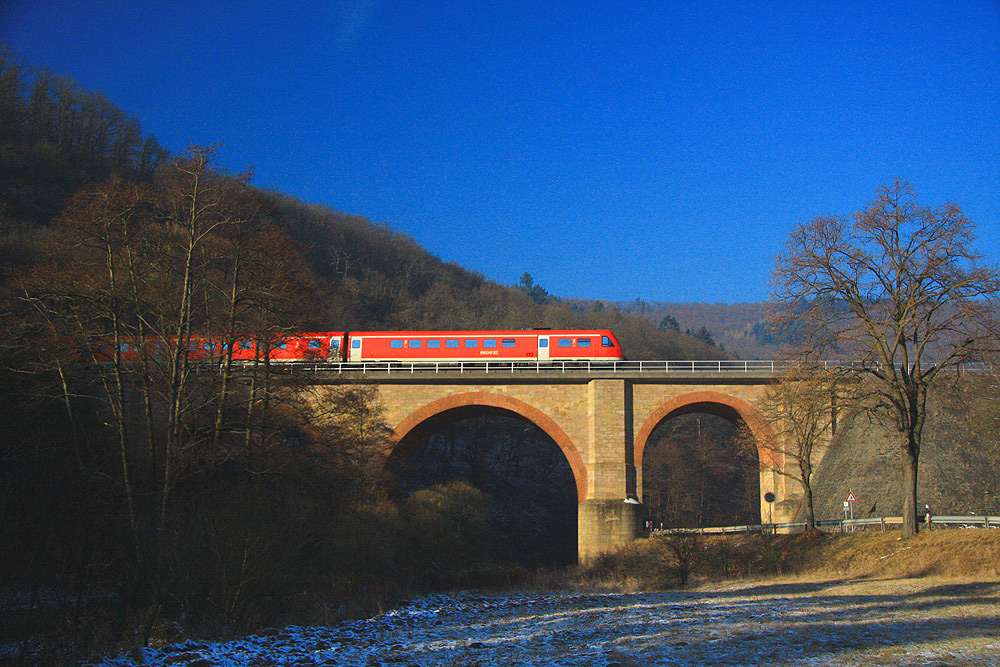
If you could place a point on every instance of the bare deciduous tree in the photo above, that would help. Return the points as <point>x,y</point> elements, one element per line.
<point>800,412</point>
<point>133,277</point>
<point>898,287</point>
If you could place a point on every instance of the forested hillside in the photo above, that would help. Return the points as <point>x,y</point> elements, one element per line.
<point>55,137</point>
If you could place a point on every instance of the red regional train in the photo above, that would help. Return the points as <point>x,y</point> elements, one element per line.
<point>430,346</point>
<point>540,345</point>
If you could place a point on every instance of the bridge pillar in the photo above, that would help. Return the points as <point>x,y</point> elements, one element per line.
<point>609,517</point>
<point>605,525</point>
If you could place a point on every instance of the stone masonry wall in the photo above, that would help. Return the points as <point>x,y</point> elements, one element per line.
<point>601,425</point>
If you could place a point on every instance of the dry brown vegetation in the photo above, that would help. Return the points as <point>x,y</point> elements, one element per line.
<point>666,560</point>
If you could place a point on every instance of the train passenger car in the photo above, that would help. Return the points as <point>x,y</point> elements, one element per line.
<point>540,345</point>
<point>320,346</point>
<point>317,347</point>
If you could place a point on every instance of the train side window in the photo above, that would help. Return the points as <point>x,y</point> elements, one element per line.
<point>315,344</point>
<point>583,342</point>
<point>490,342</point>
<point>396,344</point>
<point>415,343</point>
<point>471,342</point>
<point>434,343</point>
<point>565,342</point>
<point>281,345</point>
<point>356,343</point>
<point>451,343</point>
<point>543,342</point>
<point>335,343</point>
<point>246,345</point>
<point>123,347</point>
<point>606,342</point>
<point>508,342</point>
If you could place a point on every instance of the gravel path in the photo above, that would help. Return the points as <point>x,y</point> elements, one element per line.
<point>908,622</point>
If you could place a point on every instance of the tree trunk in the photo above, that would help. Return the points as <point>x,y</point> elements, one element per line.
<point>909,486</point>
<point>805,473</point>
<point>808,515</point>
<point>227,366</point>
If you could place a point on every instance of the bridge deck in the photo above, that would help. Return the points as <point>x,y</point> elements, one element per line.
<point>725,371</point>
<point>548,368</point>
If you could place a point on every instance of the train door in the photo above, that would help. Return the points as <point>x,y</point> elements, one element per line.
<point>543,348</point>
<point>355,348</point>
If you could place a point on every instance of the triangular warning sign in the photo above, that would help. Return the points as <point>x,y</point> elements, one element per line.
<point>851,498</point>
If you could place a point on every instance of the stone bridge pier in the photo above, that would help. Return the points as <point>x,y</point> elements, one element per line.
<point>600,422</point>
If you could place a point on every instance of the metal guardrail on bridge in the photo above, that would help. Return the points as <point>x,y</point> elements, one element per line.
<point>668,366</point>
<point>725,366</point>
<point>536,367</point>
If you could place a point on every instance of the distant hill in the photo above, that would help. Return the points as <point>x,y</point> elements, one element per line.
<point>740,329</point>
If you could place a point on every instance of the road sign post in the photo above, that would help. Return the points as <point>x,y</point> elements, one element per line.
<point>849,504</point>
<point>769,498</point>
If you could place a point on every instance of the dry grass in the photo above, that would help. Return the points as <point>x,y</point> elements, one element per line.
<point>943,553</point>
<point>964,554</point>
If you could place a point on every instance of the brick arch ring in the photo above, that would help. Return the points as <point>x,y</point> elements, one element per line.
<point>412,423</point>
<point>762,432</point>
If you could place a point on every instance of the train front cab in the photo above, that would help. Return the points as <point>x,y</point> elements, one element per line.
<point>590,345</point>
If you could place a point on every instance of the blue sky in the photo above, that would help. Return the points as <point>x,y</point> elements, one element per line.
<point>656,150</point>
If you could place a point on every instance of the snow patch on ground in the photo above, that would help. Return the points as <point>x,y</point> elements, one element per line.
<point>909,622</point>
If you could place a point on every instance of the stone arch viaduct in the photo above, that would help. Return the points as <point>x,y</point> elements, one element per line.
<point>601,420</point>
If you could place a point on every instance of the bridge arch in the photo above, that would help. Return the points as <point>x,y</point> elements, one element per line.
<point>414,429</point>
<point>715,403</point>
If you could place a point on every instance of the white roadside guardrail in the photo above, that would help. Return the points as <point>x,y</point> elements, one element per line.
<point>845,525</point>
